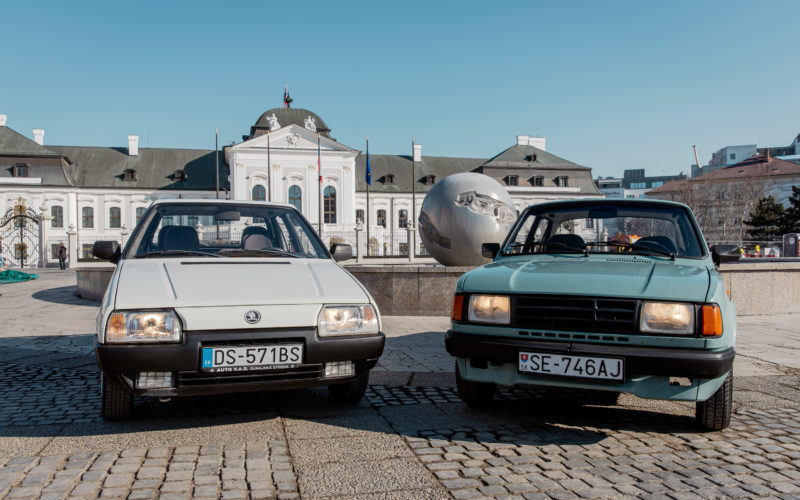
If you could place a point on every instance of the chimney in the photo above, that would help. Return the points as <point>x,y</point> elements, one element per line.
<point>767,155</point>
<point>133,145</point>
<point>38,136</point>
<point>2,120</point>
<point>537,142</point>
<point>522,140</point>
<point>417,153</point>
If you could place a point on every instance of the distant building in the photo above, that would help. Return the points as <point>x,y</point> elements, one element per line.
<point>731,155</point>
<point>633,184</point>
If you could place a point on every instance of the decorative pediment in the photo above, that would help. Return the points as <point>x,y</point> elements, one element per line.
<point>292,137</point>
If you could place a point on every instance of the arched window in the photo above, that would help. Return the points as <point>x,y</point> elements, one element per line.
<point>57,216</point>
<point>87,217</point>
<point>114,217</point>
<point>402,219</point>
<point>139,213</point>
<point>259,193</point>
<point>329,205</point>
<point>296,197</point>
<point>359,215</point>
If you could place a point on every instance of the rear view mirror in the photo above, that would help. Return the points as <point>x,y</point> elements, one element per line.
<point>721,254</point>
<point>107,250</point>
<point>228,216</point>
<point>341,251</point>
<point>490,250</point>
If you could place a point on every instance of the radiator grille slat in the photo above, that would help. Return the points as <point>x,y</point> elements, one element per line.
<point>581,314</point>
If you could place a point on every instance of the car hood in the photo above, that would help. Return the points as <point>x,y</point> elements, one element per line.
<point>624,276</point>
<point>165,283</point>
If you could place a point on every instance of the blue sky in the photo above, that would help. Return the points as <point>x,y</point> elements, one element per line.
<point>612,85</point>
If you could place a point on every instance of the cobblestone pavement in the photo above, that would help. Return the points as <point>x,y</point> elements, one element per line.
<point>410,437</point>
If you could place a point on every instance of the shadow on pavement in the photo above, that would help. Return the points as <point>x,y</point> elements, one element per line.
<point>64,295</point>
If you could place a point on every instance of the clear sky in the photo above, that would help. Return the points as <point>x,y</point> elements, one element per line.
<point>611,85</point>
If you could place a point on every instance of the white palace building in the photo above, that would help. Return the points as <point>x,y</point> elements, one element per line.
<point>80,194</point>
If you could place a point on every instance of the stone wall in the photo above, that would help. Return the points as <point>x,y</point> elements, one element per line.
<point>427,290</point>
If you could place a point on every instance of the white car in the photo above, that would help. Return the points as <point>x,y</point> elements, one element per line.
<point>214,296</point>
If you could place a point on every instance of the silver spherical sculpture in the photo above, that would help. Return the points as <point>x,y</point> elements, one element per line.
<point>460,213</point>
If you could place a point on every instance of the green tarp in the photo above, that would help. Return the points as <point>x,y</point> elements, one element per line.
<point>11,276</point>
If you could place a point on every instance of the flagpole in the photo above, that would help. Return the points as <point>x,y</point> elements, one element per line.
<point>413,185</point>
<point>269,172</point>
<point>319,167</point>
<point>369,179</point>
<point>216,155</point>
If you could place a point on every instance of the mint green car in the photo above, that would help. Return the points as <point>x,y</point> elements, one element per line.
<point>611,295</point>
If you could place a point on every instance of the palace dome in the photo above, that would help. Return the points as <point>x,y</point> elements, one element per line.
<point>288,116</point>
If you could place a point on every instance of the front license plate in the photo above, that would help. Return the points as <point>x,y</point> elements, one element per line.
<point>572,366</point>
<point>251,358</point>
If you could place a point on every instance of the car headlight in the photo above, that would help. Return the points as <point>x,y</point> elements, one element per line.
<point>489,309</point>
<point>667,317</point>
<point>347,320</point>
<point>143,326</point>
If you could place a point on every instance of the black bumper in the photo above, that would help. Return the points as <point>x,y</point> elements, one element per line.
<point>690,363</point>
<point>122,362</point>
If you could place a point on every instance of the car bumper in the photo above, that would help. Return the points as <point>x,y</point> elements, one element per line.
<point>639,361</point>
<point>123,362</point>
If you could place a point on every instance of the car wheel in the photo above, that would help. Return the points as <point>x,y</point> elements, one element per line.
<point>474,394</point>
<point>351,391</point>
<point>715,412</point>
<point>117,402</point>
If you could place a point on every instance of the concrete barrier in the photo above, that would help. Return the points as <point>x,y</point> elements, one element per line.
<point>764,287</point>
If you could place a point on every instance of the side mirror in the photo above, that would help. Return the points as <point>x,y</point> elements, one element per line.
<point>107,250</point>
<point>341,251</point>
<point>490,250</point>
<point>721,254</point>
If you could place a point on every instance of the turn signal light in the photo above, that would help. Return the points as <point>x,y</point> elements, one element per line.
<point>458,308</point>
<point>712,321</point>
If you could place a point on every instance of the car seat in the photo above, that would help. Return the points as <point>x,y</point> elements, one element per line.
<point>178,238</point>
<point>257,238</point>
<point>569,240</point>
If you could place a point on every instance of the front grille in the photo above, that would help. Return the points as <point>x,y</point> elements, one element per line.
<point>575,314</point>
<point>201,379</point>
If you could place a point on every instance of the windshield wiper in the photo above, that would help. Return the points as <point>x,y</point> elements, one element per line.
<point>634,246</point>
<point>176,252</point>
<point>242,252</point>
<point>584,250</point>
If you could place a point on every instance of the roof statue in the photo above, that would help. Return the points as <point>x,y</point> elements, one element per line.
<point>310,123</point>
<point>273,123</point>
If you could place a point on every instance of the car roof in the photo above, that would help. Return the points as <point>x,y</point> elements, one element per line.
<point>212,201</point>
<point>609,201</point>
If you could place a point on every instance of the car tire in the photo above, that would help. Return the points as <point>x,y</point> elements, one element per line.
<point>474,394</point>
<point>350,392</point>
<point>116,401</point>
<point>715,412</point>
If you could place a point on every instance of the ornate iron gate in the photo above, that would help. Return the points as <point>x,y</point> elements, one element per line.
<point>19,236</point>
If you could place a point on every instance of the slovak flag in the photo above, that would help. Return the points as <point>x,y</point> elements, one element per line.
<point>369,170</point>
<point>319,159</point>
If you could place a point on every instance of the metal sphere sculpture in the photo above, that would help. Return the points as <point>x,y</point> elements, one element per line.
<point>460,213</point>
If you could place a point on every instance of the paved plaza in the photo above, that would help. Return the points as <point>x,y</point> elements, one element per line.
<point>411,437</point>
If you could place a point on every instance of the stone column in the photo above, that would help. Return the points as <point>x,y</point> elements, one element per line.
<point>410,243</point>
<point>43,217</point>
<point>358,228</point>
<point>124,236</point>
<point>72,246</point>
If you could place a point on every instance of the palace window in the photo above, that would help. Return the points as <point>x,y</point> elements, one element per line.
<point>402,219</point>
<point>430,179</point>
<point>259,193</point>
<point>512,180</point>
<point>329,205</point>
<point>562,181</point>
<point>388,179</point>
<point>56,216</point>
<point>537,181</point>
<point>114,217</point>
<point>382,218</point>
<point>359,216</point>
<point>129,174</point>
<point>139,214</point>
<point>296,197</point>
<point>87,217</point>
<point>180,175</point>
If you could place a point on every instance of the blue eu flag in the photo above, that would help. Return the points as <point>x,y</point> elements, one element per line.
<point>369,170</point>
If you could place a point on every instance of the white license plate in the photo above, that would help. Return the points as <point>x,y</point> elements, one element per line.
<point>565,365</point>
<point>251,358</point>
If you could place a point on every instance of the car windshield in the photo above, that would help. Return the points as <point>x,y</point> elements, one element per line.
<point>223,230</point>
<point>609,228</point>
